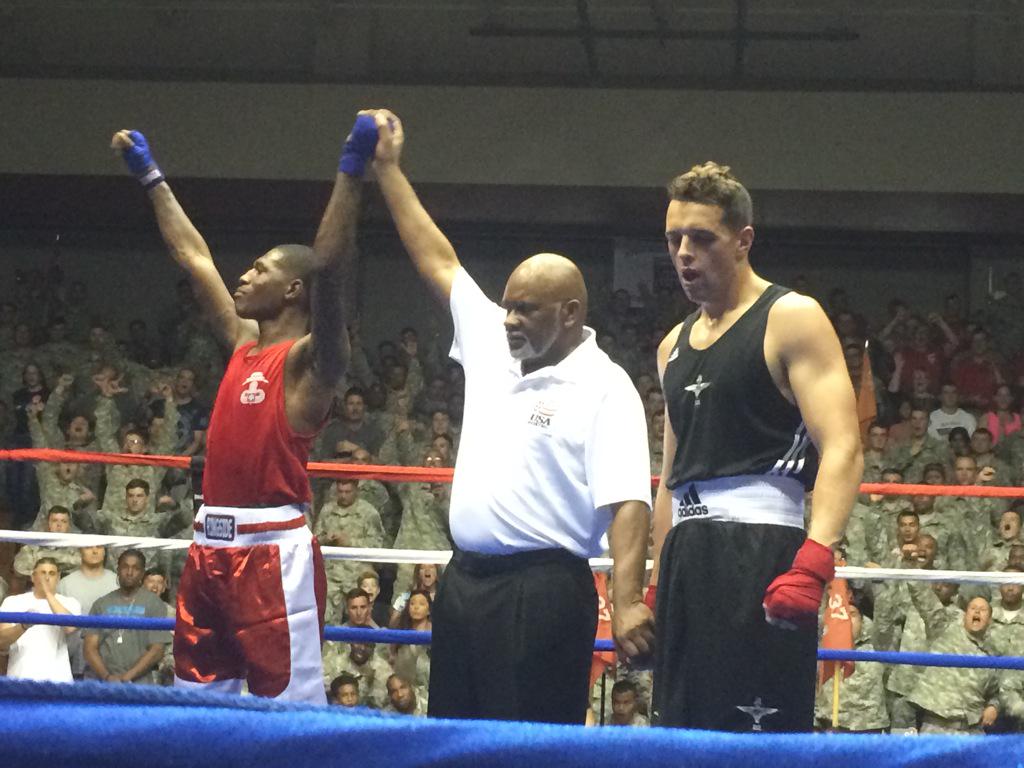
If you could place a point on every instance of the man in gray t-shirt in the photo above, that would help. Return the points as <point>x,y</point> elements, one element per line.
<point>87,583</point>
<point>126,655</point>
<point>91,580</point>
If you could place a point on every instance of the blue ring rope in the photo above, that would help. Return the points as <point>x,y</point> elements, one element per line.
<point>411,637</point>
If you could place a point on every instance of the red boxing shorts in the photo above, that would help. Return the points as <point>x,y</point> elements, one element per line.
<point>251,605</point>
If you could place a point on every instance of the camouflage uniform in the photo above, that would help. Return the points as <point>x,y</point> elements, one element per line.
<point>420,711</point>
<point>372,676</point>
<point>12,363</point>
<point>58,357</point>
<point>657,449</point>
<point>861,695</point>
<point>119,475</point>
<point>1011,451</point>
<point>51,436</point>
<point>1006,472</point>
<point>952,698</point>
<point>124,523</point>
<point>880,535</point>
<point>973,515</point>
<point>995,555</point>
<point>874,463</point>
<point>360,524</point>
<point>860,529</point>
<point>67,558</point>
<point>412,662</point>
<point>641,678</point>
<point>931,451</point>
<point>1006,635</point>
<point>899,627</point>
<point>424,525</point>
<point>949,537</point>
<point>53,492</point>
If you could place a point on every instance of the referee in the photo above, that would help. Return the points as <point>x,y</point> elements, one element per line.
<point>553,452</point>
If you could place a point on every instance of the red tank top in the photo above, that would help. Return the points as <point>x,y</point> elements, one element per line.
<point>253,456</point>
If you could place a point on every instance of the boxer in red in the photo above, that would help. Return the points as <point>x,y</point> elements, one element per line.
<point>251,597</point>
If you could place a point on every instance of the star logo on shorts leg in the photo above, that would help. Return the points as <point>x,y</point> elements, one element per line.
<point>758,712</point>
<point>697,387</point>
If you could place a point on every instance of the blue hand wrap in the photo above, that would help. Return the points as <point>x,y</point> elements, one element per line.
<point>359,146</point>
<point>139,160</point>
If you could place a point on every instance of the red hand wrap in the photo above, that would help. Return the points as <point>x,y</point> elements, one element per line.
<point>795,596</point>
<point>651,596</point>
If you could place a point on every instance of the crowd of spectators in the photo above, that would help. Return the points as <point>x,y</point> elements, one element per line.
<point>944,388</point>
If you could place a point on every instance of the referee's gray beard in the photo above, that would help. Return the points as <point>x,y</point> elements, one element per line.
<point>528,351</point>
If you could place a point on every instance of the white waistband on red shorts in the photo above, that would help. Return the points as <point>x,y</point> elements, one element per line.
<point>245,526</point>
<point>759,499</point>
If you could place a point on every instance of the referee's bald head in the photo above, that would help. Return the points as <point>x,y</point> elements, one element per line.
<point>550,277</point>
<point>546,306</point>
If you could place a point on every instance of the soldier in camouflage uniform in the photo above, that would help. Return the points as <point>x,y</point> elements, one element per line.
<point>346,521</point>
<point>995,557</point>
<point>1006,637</point>
<point>14,360</point>
<point>78,435</point>
<point>899,627</point>
<point>424,519</point>
<point>947,532</point>
<point>58,520</point>
<point>119,475</point>
<point>880,536</point>
<point>913,455</point>
<point>362,662</point>
<point>908,529</point>
<point>135,520</point>
<point>876,454</point>
<point>641,680</point>
<point>998,472</point>
<point>59,484</point>
<point>860,529</point>
<point>59,354</point>
<point>954,699</point>
<point>862,705</point>
<point>1011,450</point>
<point>979,515</point>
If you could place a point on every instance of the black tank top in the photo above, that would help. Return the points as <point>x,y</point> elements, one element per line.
<point>727,413</point>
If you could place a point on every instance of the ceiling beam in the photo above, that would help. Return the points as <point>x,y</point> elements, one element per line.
<point>586,34</point>
<point>831,35</point>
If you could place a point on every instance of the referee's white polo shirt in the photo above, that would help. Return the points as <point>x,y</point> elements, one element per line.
<point>542,456</point>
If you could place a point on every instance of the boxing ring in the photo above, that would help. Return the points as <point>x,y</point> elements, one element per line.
<point>92,723</point>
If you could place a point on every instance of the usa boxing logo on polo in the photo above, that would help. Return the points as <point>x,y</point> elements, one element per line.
<point>252,394</point>
<point>541,416</point>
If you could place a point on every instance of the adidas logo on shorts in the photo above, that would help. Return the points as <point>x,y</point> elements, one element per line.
<point>691,506</point>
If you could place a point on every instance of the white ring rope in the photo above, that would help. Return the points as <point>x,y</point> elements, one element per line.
<point>364,554</point>
<point>441,557</point>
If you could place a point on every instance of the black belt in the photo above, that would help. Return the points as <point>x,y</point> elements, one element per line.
<point>483,565</point>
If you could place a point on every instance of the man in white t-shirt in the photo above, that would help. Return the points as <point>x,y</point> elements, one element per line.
<point>553,454</point>
<point>39,651</point>
<point>949,414</point>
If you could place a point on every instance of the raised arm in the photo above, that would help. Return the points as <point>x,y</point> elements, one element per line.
<point>321,357</point>
<point>430,251</point>
<point>184,242</point>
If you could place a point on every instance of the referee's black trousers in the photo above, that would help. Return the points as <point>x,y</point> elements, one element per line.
<point>513,637</point>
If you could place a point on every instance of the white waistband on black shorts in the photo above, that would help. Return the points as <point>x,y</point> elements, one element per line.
<point>246,526</point>
<point>759,499</point>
